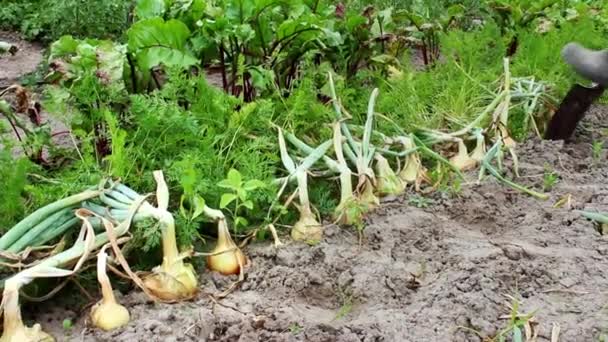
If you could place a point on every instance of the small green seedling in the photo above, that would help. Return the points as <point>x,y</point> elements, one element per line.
<point>67,324</point>
<point>238,195</point>
<point>597,148</point>
<point>345,298</point>
<point>550,178</point>
<point>420,201</point>
<point>295,328</point>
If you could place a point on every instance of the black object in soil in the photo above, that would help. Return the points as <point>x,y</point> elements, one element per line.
<point>571,111</point>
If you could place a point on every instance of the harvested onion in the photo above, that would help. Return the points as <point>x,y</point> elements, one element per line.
<point>173,279</point>
<point>226,258</point>
<point>388,181</point>
<point>462,160</point>
<point>14,329</point>
<point>107,314</point>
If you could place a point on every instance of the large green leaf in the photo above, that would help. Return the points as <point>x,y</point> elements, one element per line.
<point>149,8</point>
<point>156,42</point>
<point>105,59</point>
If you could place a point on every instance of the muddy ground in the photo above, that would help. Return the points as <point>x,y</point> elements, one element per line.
<point>421,274</point>
<point>434,273</point>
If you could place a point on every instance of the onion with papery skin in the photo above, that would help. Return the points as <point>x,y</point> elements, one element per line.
<point>388,181</point>
<point>462,160</point>
<point>174,279</point>
<point>107,314</point>
<point>227,258</point>
<point>307,229</point>
<point>349,212</point>
<point>14,329</point>
<point>367,197</point>
<point>411,172</point>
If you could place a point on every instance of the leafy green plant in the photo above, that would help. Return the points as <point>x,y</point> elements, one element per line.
<point>550,178</point>
<point>89,83</point>
<point>420,201</point>
<point>512,15</point>
<point>237,199</point>
<point>49,20</point>
<point>13,180</point>
<point>597,149</point>
<point>259,44</point>
<point>427,26</point>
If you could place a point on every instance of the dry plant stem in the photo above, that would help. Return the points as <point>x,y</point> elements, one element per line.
<point>275,236</point>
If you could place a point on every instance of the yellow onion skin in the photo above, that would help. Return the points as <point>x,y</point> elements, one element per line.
<point>367,198</point>
<point>226,263</point>
<point>26,334</point>
<point>13,329</point>
<point>109,315</point>
<point>307,229</point>
<point>173,283</point>
<point>464,163</point>
<point>349,213</point>
<point>410,172</point>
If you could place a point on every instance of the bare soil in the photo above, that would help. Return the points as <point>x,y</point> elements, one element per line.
<point>420,274</point>
<point>436,273</point>
<point>25,61</point>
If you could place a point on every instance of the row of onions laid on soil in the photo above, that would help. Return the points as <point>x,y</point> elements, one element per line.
<point>107,211</point>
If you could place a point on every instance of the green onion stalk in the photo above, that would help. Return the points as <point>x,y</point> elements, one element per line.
<point>307,228</point>
<point>46,223</point>
<point>14,329</point>
<point>360,154</point>
<point>348,211</point>
<point>486,165</point>
<point>173,279</point>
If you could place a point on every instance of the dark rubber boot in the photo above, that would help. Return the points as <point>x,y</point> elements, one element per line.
<point>590,64</point>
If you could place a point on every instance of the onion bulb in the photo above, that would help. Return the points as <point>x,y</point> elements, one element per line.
<point>107,314</point>
<point>307,228</point>
<point>349,212</point>
<point>388,181</point>
<point>14,329</point>
<point>226,258</point>
<point>367,197</point>
<point>462,160</point>
<point>410,173</point>
<point>174,279</point>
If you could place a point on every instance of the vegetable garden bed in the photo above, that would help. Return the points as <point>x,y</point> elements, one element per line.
<point>270,170</point>
<point>445,270</point>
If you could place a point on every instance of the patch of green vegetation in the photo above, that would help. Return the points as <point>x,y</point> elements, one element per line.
<point>550,178</point>
<point>48,20</point>
<point>345,297</point>
<point>13,182</point>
